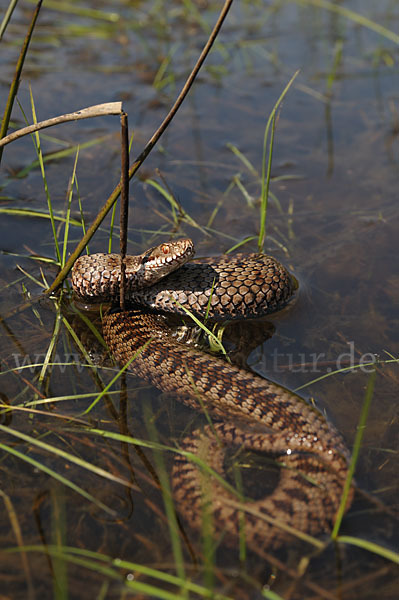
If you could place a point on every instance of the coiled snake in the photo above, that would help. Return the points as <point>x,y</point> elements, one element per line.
<point>252,413</point>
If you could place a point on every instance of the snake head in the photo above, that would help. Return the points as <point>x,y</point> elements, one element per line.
<point>96,278</point>
<point>161,260</point>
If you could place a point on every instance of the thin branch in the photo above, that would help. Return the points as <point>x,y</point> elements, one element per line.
<point>98,110</point>
<point>124,210</point>
<point>141,158</point>
<point>18,70</point>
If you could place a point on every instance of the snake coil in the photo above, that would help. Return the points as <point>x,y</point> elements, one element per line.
<point>252,413</point>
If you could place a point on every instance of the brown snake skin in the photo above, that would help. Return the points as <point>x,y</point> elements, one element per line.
<point>256,414</point>
<point>240,286</point>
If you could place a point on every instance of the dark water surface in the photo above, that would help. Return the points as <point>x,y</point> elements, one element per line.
<point>335,224</point>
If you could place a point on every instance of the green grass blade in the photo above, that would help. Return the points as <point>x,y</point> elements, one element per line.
<point>38,465</point>
<point>54,399</point>
<point>266,175</point>
<point>337,60</point>
<point>59,535</point>
<point>157,446</point>
<point>68,213</point>
<point>168,503</point>
<point>345,370</point>
<point>242,543</point>
<point>7,17</point>
<point>111,228</point>
<point>74,9</point>
<point>90,325</point>
<point>355,17</point>
<point>108,566</point>
<point>51,346</point>
<point>80,462</point>
<point>370,546</point>
<point>160,80</point>
<point>276,522</point>
<point>13,517</point>
<point>200,324</point>
<point>36,137</point>
<point>177,209</point>
<point>31,366</point>
<point>266,181</point>
<point>151,572</point>
<point>355,453</point>
<point>246,240</point>
<point>31,277</point>
<point>247,196</point>
<point>23,212</point>
<point>52,156</point>
<point>243,159</point>
<point>271,595</point>
<point>114,379</point>
<point>82,218</point>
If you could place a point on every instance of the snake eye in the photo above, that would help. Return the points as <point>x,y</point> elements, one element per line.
<point>165,249</point>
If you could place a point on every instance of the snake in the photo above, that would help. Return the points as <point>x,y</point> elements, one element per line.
<point>245,410</point>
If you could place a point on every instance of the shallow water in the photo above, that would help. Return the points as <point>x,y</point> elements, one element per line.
<point>335,165</point>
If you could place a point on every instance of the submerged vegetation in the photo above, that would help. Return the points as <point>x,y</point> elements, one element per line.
<point>86,450</point>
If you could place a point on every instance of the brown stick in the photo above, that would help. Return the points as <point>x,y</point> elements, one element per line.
<point>124,210</point>
<point>108,108</point>
<point>141,158</point>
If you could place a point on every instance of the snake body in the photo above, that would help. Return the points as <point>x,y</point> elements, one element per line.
<point>254,413</point>
<point>242,286</point>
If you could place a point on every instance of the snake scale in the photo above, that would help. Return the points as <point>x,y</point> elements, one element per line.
<point>251,412</point>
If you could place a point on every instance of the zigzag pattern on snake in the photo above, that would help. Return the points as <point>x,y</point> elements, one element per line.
<point>251,412</point>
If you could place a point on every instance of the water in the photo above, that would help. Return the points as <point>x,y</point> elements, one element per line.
<point>335,225</point>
